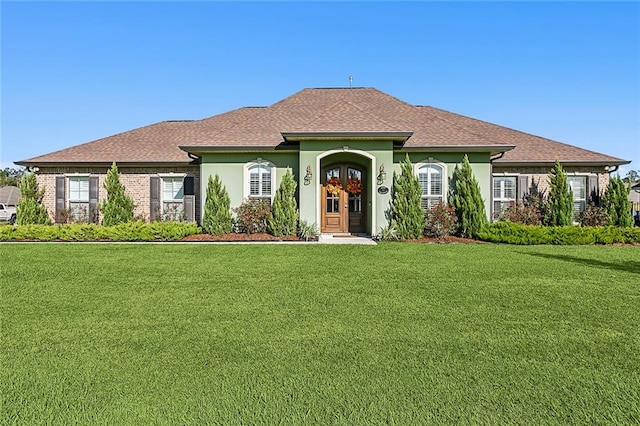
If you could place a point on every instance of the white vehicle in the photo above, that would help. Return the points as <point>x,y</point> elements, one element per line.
<point>7,213</point>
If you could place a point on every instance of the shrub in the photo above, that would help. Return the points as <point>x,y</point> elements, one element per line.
<point>617,204</point>
<point>560,198</point>
<point>406,208</point>
<point>30,210</point>
<point>440,221</point>
<point>130,231</point>
<point>252,216</point>
<point>308,231</point>
<point>467,200</point>
<point>118,206</point>
<point>284,217</point>
<point>515,233</point>
<point>387,233</point>
<point>216,219</point>
<point>594,216</point>
<point>520,213</point>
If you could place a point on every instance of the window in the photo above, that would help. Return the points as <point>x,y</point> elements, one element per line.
<point>172,198</point>
<point>504,193</point>
<point>259,178</point>
<point>431,177</point>
<point>578,185</point>
<point>79,198</point>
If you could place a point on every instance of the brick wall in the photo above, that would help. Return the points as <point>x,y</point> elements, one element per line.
<point>135,180</point>
<point>540,175</point>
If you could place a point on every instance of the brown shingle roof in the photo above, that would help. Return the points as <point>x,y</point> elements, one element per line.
<point>347,110</point>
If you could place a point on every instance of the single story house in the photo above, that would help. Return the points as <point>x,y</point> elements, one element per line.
<point>352,138</point>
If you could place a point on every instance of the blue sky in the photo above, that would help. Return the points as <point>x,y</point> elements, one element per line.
<point>73,72</point>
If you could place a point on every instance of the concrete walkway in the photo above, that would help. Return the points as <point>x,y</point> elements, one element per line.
<point>347,239</point>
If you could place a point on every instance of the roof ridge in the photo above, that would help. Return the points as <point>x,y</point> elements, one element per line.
<point>372,115</point>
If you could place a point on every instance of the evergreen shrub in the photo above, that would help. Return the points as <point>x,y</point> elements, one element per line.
<point>406,205</point>
<point>217,218</point>
<point>118,206</point>
<point>284,217</point>
<point>467,200</point>
<point>130,231</point>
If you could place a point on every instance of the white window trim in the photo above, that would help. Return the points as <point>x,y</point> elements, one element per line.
<point>68,199</point>
<point>445,176</point>
<point>246,185</point>
<point>494,199</point>
<point>164,176</point>
<point>584,176</point>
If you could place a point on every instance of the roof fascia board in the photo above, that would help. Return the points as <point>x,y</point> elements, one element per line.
<point>550,163</point>
<point>458,148</point>
<point>332,136</point>
<point>106,164</point>
<point>222,149</point>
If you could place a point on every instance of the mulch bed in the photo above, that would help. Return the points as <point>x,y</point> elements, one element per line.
<point>238,237</point>
<point>267,237</point>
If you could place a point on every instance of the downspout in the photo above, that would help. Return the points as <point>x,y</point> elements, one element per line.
<point>610,169</point>
<point>492,159</point>
<point>196,158</point>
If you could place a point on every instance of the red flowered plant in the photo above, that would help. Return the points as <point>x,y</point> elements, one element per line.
<point>334,186</point>
<point>354,185</point>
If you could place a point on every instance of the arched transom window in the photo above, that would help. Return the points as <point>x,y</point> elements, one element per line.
<point>259,178</point>
<point>432,183</point>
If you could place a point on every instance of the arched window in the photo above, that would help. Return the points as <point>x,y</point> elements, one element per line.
<point>259,180</point>
<point>432,179</point>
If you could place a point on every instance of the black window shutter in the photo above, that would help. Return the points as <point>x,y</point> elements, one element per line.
<point>523,187</point>
<point>594,194</point>
<point>154,211</point>
<point>189,199</point>
<point>189,187</point>
<point>61,193</point>
<point>93,199</point>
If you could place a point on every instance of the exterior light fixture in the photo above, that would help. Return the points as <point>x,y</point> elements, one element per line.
<point>382,175</point>
<point>308,176</point>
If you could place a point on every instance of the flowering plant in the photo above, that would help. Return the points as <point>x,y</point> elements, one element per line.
<point>334,186</point>
<point>354,185</point>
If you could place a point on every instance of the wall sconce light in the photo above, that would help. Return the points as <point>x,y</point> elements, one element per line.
<point>382,175</point>
<point>308,176</point>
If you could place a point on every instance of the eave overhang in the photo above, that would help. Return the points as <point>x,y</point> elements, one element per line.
<point>491,149</point>
<point>197,150</point>
<point>352,136</point>
<point>574,163</point>
<point>106,164</point>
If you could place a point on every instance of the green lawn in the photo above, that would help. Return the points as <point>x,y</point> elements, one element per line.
<point>319,334</point>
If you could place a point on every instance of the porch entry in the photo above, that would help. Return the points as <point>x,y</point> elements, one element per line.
<point>343,190</point>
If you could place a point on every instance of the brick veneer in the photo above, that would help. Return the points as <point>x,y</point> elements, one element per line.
<point>135,180</point>
<point>540,175</point>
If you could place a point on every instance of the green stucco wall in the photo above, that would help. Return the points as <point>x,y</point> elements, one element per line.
<point>230,168</point>
<point>318,154</point>
<point>479,161</point>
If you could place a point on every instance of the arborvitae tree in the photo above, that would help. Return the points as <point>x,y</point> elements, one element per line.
<point>118,206</point>
<point>467,200</point>
<point>30,210</point>
<point>617,204</point>
<point>284,213</point>
<point>560,201</point>
<point>406,209</point>
<point>217,213</point>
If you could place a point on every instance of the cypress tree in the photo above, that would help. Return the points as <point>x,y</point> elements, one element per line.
<point>217,213</point>
<point>407,214</point>
<point>617,204</point>
<point>560,202</point>
<point>30,210</point>
<point>467,200</point>
<point>118,206</point>
<point>284,216</point>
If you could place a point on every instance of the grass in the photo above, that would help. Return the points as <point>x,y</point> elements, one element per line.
<point>290,334</point>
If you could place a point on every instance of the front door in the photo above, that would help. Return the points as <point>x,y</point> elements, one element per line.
<point>343,198</point>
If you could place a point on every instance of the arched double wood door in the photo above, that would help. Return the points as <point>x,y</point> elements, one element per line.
<point>343,194</point>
